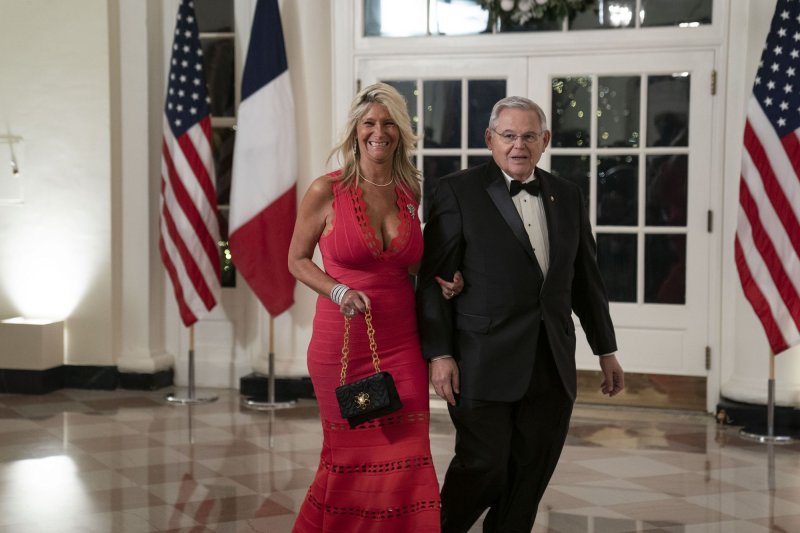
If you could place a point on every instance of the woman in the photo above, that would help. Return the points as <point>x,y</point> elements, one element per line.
<point>378,476</point>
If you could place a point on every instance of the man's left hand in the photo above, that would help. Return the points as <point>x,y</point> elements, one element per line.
<point>613,376</point>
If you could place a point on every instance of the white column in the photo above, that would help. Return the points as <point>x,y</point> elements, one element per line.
<point>138,281</point>
<point>748,382</point>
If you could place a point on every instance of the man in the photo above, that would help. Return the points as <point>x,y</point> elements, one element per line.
<point>503,351</point>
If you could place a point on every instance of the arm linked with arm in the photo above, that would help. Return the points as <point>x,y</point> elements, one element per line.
<point>442,257</point>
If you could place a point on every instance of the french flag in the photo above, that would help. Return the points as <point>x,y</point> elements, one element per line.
<point>263,204</point>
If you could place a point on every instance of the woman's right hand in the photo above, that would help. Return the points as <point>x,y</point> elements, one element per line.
<point>451,289</point>
<point>354,302</point>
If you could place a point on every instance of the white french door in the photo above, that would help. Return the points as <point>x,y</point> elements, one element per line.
<point>634,132</point>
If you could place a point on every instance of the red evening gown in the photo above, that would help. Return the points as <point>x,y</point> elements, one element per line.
<point>378,477</point>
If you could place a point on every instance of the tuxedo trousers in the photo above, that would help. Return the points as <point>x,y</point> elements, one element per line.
<point>506,453</point>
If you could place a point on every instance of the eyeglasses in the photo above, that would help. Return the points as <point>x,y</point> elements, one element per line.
<point>510,138</point>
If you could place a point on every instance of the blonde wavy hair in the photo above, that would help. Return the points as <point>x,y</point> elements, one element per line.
<point>348,153</point>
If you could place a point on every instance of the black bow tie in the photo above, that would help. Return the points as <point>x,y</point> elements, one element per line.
<point>533,187</point>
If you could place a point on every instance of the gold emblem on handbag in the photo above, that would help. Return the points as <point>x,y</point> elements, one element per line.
<point>371,397</point>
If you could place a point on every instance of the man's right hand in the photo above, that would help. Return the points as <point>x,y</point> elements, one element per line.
<point>444,377</point>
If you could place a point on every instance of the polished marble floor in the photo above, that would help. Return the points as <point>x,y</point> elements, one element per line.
<point>124,461</point>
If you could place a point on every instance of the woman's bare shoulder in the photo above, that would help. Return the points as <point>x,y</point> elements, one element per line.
<point>321,189</point>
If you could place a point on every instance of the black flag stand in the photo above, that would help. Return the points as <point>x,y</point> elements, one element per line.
<point>190,398</point>
<point>767,435</point>
<point>270,404</point>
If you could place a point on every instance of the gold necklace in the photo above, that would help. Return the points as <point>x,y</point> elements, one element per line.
<point>377,184</point>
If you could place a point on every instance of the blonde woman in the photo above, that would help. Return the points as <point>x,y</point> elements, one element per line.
<point>377,477</point>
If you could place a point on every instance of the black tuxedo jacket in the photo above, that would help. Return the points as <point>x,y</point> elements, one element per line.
<point>493,326</point>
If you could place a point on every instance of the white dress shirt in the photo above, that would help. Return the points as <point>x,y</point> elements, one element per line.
<point>531,211</point>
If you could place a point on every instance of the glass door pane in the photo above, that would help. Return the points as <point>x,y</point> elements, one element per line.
<point>570,116</point>
<point>618,109</point>
<point>683,13</point>
<point>441,113</point>
<point>482,95</point>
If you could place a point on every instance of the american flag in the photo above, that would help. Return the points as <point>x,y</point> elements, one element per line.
<point>189,224</point>
<point>767,247</point>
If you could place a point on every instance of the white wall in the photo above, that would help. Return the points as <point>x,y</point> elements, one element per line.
<point>58,258</point>
<point>54,92</point>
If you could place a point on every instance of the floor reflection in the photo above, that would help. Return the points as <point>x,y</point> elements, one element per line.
<point>122,461</point>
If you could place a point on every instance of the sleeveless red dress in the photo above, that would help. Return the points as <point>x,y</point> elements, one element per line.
<point>378,477</point>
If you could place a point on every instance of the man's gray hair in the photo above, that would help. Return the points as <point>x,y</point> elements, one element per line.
<point>517,102</point>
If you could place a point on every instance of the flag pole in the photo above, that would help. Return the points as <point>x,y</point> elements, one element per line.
<point>771,397</point>
<point>270,404</point>
<point>190,398</point>
<point>768,436</point>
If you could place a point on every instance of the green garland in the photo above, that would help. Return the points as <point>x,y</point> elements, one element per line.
<point>521,11</point>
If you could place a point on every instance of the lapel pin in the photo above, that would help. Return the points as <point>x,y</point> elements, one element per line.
<point>412,210</point>
<point>552,199</point>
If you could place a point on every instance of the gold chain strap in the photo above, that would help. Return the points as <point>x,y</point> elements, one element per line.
<point>376,362</point>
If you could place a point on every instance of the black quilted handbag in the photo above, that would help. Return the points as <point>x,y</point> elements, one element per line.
<point>371,397</point>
